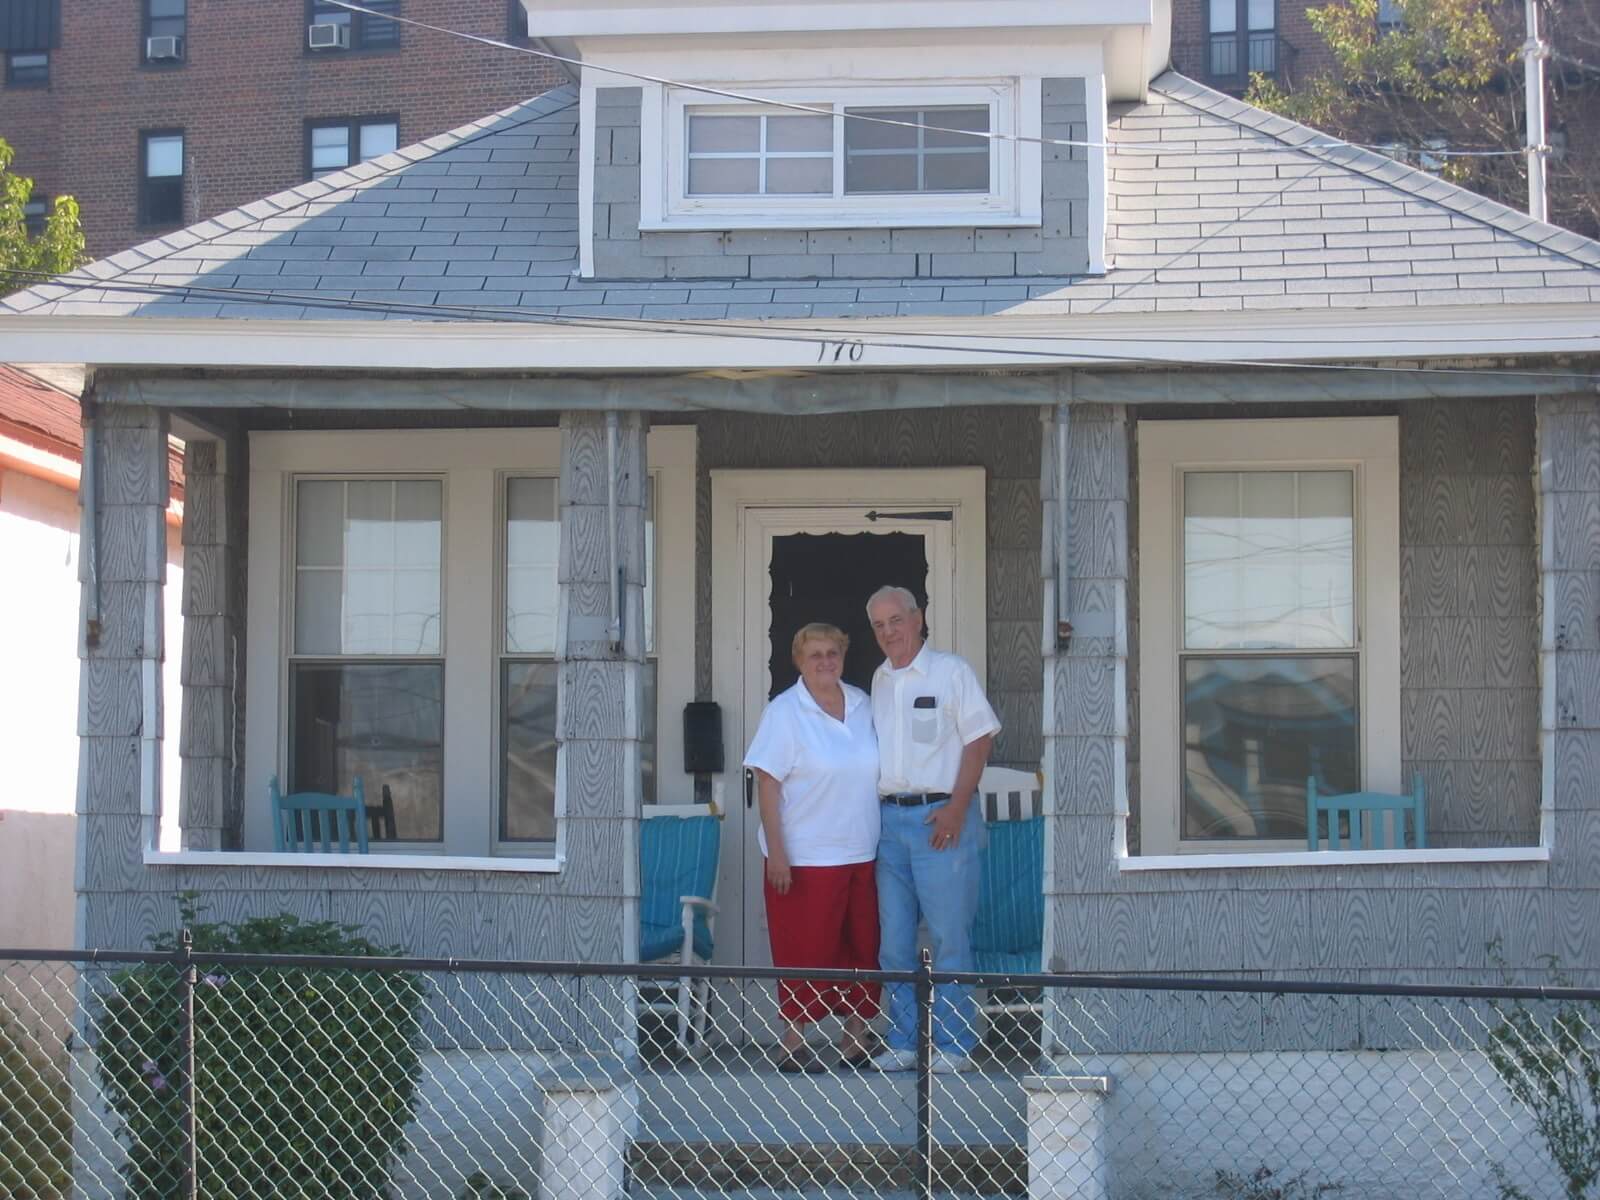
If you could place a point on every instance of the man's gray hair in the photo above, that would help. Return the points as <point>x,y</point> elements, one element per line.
<point>890,592</point>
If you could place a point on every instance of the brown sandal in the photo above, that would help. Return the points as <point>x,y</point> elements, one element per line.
<point>802,1061</point>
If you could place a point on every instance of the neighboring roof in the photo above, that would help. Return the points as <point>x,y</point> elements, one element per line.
<point>46,417</point>
<point>1271,215</point>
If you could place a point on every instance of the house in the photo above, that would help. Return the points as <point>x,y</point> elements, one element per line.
<point>503,448</point>
<point>41,454</point>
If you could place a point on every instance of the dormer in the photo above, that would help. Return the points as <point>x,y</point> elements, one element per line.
<point>765,139</point>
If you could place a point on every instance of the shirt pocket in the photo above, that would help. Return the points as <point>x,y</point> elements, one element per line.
<point>925,726</point>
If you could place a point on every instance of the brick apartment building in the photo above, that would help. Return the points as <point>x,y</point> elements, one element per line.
<point>157,113</point>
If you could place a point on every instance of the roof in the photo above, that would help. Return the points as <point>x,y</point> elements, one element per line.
<point>44,416</point>
<point>1271,215</point>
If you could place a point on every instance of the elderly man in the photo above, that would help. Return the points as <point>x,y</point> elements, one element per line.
<point>935,729</point>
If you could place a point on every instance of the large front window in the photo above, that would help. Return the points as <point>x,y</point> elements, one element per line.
<point>405,632</point>
<point>367,671</point>
<point>1268,555</point>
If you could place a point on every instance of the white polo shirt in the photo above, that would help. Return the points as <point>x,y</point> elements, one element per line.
<point>926,713</point>
<point>827,771</point>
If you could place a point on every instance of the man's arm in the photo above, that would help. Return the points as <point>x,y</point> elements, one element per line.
<point>949,819</point>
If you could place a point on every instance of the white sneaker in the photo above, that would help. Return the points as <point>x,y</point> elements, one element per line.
<point>946,1062</point>
<point>895,1060</point>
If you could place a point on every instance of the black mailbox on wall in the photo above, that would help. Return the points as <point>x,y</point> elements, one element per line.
<point>702,737</point>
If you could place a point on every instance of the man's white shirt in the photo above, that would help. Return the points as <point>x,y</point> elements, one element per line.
<point>926,713</point>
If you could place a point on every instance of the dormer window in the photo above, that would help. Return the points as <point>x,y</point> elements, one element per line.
<point>844,157</point>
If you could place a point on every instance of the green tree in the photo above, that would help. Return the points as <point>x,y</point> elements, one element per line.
<point>1448,76</point>
<point>59,246</point>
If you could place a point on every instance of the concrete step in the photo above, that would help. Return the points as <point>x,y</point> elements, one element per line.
<point>725,1169</point>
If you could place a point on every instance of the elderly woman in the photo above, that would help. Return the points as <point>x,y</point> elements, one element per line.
<point>816,764</point>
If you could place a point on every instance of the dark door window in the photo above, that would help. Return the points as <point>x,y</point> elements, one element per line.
<point>828,577</point>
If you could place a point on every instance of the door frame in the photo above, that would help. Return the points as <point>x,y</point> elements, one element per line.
<point>734,493</point>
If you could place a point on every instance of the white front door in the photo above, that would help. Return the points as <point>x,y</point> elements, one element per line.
<point>792,547</point>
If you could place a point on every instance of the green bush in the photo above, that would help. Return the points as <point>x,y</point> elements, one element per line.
<point>35,1118</point>
<point>1266,1184</point>
<point>305,1077</point>
<point>1553,1069</point>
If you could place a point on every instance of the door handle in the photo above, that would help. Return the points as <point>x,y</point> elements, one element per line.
<point>749,788</point>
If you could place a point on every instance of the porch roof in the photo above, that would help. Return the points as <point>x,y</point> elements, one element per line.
<point>480,225</point>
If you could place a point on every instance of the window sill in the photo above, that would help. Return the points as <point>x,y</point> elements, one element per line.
<point>1330,858</point>
<point>392,862</point>
<point>884,219</point>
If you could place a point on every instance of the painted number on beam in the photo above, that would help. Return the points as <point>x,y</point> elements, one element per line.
<point>840,351</point>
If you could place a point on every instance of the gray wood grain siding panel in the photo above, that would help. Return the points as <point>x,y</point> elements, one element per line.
<point>1004,441</point>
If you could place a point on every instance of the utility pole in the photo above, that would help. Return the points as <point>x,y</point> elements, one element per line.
<point>1534,52</point>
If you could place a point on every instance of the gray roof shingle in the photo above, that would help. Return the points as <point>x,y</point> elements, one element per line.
<point>1247,210</point>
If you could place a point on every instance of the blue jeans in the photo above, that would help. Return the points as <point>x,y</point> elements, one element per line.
<point>917,882</point>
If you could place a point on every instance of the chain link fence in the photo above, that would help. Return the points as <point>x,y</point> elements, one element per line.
<point>178,1075</point>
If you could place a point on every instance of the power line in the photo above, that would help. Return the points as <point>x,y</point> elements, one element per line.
<point>855,115</point>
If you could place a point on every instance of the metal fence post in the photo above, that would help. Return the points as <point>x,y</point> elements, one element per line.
<point>922,1162</point>
<point>191,1140</point>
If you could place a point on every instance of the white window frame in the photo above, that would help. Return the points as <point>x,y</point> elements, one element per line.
<point>474,463</point>
<point>1014,197</point>
<point>1367,446</point>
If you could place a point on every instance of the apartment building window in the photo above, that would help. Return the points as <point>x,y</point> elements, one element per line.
<point>161,177</point>
<point>36,215</point>
<point>1391,16</point>
<point>28,69</point>
<point>1244,38</point>
<point>517,21</point>
<point>166,28</point>
<point>336,143</point>
<point>330,27</point>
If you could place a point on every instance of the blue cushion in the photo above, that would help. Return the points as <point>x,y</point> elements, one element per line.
<point>677,857</point>
<point>1010,919</point>
<point>998,962</point>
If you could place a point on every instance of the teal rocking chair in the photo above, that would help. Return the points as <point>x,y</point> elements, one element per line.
<point>677,882</point>
<point>1365,820</point>
<point>315,822</point>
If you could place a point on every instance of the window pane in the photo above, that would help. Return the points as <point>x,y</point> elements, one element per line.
<point>379,138</point>
<point>1224,16</point>
<point>647,734</point>
<point>163,156</point>
<point>533,543</point>
<point>881,173</point>
<point>367,574</point>
<point>1254,729</point>
<point>956,173</point>
<point>724,134</point>
<point>799,133</point>
<point>528,752</point>
<point>976,119</point>
<point>330,147</point>
<point>1262,14</point>
<point>799,176</point>
<point>724,176</point>
<point>166,8</point>
<point>873,135</point>
<point>381,722</point>
<point>1269,560</point>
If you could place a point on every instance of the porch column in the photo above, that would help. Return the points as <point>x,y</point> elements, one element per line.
<point>206,741</point>
<point>1085,681</point>
<point>600,711</point>
<point>122,564</point>
<point>1569,567</point>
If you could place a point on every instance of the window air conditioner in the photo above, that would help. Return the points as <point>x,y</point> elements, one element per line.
<point>329,35</point>
<point>163,47</point>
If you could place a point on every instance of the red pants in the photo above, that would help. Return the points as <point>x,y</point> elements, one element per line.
<point>828,919</point>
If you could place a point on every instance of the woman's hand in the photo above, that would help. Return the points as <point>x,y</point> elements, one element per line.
<point>778,873</point>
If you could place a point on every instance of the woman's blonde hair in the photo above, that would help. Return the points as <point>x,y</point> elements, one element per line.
<point>819,631</point>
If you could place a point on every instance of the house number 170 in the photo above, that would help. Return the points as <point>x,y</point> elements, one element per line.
<point>842,351</point>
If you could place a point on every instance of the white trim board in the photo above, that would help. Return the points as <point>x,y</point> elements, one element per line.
<point>1330,858</point>
<point>398,862</point>
<point>1033,340</point>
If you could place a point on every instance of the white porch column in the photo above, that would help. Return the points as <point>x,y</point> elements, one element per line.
<point>1066,1136</point>
<point>588,1119</point>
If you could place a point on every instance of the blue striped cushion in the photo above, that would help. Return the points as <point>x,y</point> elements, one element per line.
<point>1010,919</point>
<point>677,857</point>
